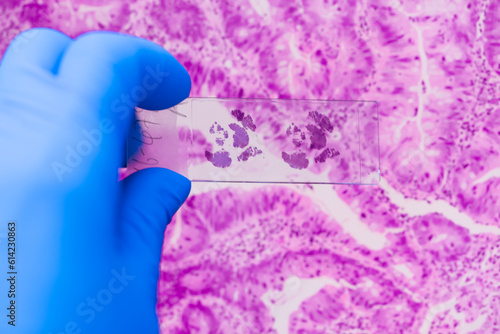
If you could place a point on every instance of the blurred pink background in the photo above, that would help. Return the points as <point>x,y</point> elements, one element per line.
<point>418,253</point>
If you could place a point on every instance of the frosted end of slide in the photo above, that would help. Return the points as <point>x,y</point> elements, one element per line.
<point>260,141</point>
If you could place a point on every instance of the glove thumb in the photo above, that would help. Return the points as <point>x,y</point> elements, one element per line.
<point>150,198</point>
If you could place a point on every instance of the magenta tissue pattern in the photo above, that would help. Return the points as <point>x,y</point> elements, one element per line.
<point>418,253</point>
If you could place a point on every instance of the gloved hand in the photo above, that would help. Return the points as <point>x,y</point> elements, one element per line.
<point>87,247</point>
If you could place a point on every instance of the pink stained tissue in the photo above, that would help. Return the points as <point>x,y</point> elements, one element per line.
<point>307,141</point>
<point>417,253</point>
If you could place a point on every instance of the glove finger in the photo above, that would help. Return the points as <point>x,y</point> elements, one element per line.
<point>111,74</point>
<point>144,73</point>
<point>150,198</point>
<point>39,47</point>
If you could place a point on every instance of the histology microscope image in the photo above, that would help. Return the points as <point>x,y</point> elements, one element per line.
<point>416,252</point>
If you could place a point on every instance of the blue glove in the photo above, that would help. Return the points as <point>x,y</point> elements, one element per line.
<point>87,247</point>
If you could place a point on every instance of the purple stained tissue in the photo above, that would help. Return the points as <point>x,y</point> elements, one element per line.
<point>326,154</point>
<point>317,137</point>
<point>238,114</point>
<point>417,253</point>
<point>296,160</point>
<point>248,123</point>
<point>249,152</point>
<point>240,137</point>
<point>321,120</point>
<point>219,159</point>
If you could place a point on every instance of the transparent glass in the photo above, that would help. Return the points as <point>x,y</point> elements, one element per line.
<point>260,141</point>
